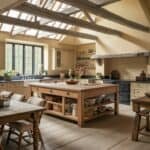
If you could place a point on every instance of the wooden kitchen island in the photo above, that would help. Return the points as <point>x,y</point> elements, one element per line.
<point>84,99</point>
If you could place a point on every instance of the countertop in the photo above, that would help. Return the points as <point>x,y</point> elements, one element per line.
<point>53,78</point>
<point>26,80</point>
<point>65,86</point>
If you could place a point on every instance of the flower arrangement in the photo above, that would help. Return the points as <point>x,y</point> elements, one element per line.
<point>80,71</point>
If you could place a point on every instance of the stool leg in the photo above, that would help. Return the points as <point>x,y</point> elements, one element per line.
<point>9,135</point>
<point>147,123</point>
<point>41,139</point>
<point>136,127</point>
<point>19,142</point>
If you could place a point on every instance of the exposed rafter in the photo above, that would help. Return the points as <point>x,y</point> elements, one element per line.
<point>91,7</point>
<point>89,17</point>
<point>146,8</point>
<point>33,25</point>
<point>32,9</point>
<point>101,3</point>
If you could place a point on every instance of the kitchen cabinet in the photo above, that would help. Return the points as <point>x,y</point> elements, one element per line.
<point>138,89</point>
<point>124,89</point>
<point>15,87</point>
<point>3,86</point>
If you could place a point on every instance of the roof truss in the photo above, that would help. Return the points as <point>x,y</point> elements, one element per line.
<point>98,11</point>
<point>37,26</point>
<point>37,11</point>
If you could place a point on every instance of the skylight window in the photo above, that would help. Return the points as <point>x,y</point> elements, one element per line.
<point>57,24</point>
<point>13,13</point>
<point>19,30</point>
<point>6,28</point>
<point>23,16</point>
<point>44,34</point>
<point>31,32</point>
<point>5,13</point>
<point>48,4</point>
<point>57,6</point>
<point>52,36</point>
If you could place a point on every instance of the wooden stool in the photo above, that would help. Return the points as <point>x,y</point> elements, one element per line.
<point>142,108</point>
<point>137,124</point>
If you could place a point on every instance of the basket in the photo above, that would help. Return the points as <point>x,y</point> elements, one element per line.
<point>4,101</point>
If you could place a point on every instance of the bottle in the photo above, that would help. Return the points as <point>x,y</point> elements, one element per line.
<point>143,74</point>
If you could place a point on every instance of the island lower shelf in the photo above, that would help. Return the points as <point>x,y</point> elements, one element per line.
<point>79,105</point>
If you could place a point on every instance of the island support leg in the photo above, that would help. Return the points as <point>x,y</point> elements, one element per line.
<point>116,103</point>
<point>81,111</point>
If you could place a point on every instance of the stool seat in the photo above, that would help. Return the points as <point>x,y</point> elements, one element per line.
<point>21,125</point>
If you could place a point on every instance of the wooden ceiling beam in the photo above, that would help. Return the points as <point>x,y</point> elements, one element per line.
<point>93,8</point>
<point>42,12</point>
<point>102,3</point>
<point>89,17</point>
<point>146,8</point>
<point>33,25</point>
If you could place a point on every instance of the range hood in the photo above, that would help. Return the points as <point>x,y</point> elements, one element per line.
<point>120,55</point>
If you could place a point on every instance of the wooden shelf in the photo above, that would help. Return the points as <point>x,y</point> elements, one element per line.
<point>98,105</point>
<point>54,103</point>
<point>60,114</point>
<point>99,115</point>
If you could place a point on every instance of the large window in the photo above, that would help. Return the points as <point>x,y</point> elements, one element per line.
<point>24,59</point>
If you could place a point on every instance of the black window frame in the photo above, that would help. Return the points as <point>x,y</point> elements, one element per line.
<point>23,58</point>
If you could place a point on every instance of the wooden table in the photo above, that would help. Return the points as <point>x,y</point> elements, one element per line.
<point>78,92</point>
<point>138,104</point>
<point>19,111</point>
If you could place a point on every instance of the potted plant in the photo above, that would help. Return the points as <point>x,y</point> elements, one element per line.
<point>7,75</point>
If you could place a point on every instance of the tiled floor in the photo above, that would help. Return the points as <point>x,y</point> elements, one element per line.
<point>105,133</point>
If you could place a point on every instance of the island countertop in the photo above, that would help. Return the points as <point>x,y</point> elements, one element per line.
<point>76,87</point>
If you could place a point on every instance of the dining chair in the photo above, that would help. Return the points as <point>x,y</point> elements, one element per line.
<point>17,97</point>
<point>6,94</point>
<point>14,97</point>
<point>23,129</point>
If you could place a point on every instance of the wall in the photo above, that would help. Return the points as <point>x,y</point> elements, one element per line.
<point>129,68</point>
<point>2,55</point>
<point>48,44</point>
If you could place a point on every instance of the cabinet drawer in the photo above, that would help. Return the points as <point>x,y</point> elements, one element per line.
<point>66,94</point>
<point>58,92</point>
<point>34,89</point>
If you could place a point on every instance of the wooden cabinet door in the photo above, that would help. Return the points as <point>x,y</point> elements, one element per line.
<point>3,86</point>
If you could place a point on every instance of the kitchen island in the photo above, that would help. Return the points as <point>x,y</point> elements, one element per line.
<point>82,99</point>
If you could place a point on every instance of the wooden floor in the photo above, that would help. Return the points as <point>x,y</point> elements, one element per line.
<point>105,133</point>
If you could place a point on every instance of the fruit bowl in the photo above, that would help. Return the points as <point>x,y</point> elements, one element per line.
<point>72,81</point>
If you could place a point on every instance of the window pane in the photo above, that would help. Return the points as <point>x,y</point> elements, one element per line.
<point>19,58</point>
<point>37,60</point>
<point>28,60</point>
<point>8,57</point>
<point>24,59</point>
